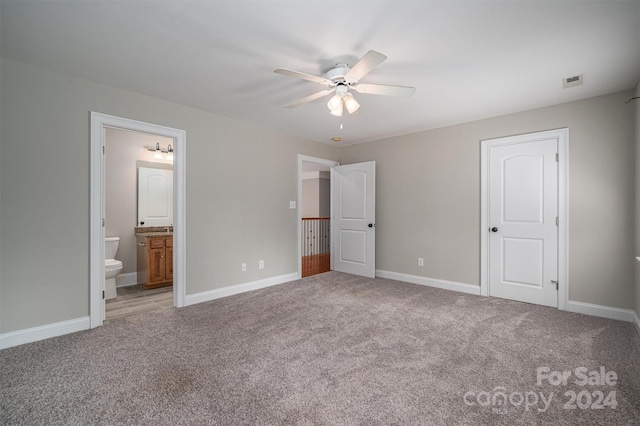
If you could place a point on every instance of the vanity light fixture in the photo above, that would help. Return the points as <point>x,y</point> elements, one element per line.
<point>158,152</point>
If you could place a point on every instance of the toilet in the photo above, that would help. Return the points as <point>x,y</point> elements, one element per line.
<point>112,267</point>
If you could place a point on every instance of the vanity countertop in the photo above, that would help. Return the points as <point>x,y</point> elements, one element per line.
<point>154,231</point>
<point>154,234</point>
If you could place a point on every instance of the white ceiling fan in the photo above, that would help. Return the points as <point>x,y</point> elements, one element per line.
<point>341,78</point>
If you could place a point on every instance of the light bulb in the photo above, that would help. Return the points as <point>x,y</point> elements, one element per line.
<point>337,111</point>
<point>158,153</point>
<point>351,103</point>
<point>170,153</point>
<point>334,103</point>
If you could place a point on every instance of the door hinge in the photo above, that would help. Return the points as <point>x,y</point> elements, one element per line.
<point>557,157</point>
<point>103,222</point>
<point>557,221</point>
<point>102,294</point>
<point>556,283</point>
<point>103,149</point>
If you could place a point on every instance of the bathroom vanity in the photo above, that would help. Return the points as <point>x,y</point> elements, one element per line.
<point>155,259</point>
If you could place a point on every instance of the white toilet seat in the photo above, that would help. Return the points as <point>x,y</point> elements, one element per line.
<point>112,268</point>
<point>112,264</point>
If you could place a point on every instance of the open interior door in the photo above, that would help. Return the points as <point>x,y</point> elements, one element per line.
<point>353,222</point>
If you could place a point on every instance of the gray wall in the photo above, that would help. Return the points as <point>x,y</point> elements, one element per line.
<point>316,194</point>
<point>637,213</point>
<point>428,196</point>
<point>427,193</point>
<point>124,150</point>
<point>234,213</point>
<point>324,197</point>
<point>310,195</point>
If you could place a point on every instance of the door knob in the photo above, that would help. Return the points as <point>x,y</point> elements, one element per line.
<point>370,225</point>
<point>494,229</point>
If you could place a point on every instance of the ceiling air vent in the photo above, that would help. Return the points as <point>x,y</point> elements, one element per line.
<point>576,80</point>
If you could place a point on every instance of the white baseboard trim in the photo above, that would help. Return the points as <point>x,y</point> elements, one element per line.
<point>636,321</point>
<point>20,337</point>
<point>431,282</point>
<point>125,280</point>
<point>205,296</point>
<point>601,311</point>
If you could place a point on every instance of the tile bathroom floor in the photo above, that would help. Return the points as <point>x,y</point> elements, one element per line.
<point>134,299</point>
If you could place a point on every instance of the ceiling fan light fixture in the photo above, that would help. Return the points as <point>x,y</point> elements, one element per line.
<point>342,78</point>
<point>337,111</point>
<point>351,103</point>
<point>334,103</point>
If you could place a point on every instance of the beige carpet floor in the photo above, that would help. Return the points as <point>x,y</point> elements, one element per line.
<point>332,349</point>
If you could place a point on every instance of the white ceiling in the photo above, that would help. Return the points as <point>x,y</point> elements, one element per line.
<point>468,60</point>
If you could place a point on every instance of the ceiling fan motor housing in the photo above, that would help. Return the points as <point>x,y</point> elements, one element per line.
<point>338,74</point>
<point>341,89</point>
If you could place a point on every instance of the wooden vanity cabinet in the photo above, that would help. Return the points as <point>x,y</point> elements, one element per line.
<point>168,258</point>
<point>155,255</point>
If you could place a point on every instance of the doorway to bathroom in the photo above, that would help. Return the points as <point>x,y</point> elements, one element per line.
<point>148,260</point>
<point>138,191</point>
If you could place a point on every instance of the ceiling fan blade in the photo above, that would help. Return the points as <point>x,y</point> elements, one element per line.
<point>368,62</point>
<point>304,76</point>
<point>381,89</point>
<point>310,98</point>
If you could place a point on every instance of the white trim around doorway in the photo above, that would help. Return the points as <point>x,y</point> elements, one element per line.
<point>562,136</point>
<point>99,122</point>
<point>324,162</point>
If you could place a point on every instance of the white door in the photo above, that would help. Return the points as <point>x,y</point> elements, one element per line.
<point>155,197</point>
<point>522,219</point>
<point>353,222</point>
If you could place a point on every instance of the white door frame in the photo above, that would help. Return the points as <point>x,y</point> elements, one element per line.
<point>99,122</point>
<point>324,162</point>
<point>562,136</point>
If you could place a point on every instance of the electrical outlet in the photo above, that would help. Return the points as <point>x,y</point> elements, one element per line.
<point>244,267</point>
<point>261,264</point>
<point>420,261</point>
